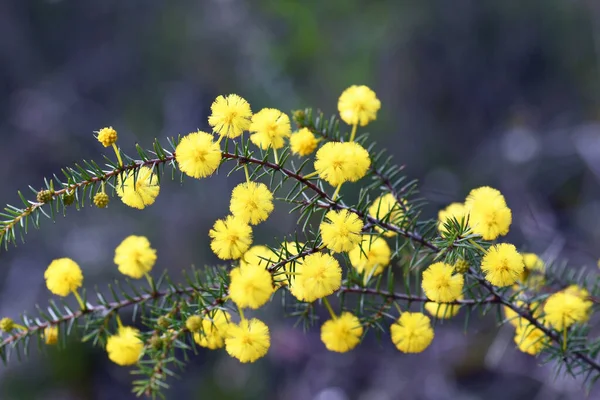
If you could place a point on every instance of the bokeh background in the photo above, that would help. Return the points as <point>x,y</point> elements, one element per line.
<point>503,93</point>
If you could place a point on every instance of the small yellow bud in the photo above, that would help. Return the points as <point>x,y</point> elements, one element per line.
<point>51,335</point>
<point>45,196</point>
<point>163,322</point>
<point>7,324</point>
<point>101,200</point>
<point>194,323</point>
<point>156,342</point>
<point>107,136</point>
<point>68,198</point>
<point>461,266</point>
<point>298,116</point>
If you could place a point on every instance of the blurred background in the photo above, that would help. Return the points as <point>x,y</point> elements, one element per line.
<point>501,93</point>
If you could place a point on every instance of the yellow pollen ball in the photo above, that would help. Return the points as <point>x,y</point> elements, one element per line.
<point>386,209</point>
<point>455,211</point>
<point>530,339</point>
<point>51,335</point>
<point>443,310</point>
<point>488,214</point>
<point>63,276</point>
<point>338,162</point>
<point>214,330</point>
<point>251,202</point>
<point>341,230</point>
<point>502,264</point>
<point>231,115</point>
<point>134,256</point>
<point>197,155</point>
<point>258,255</point>
<point>303,142</point>
<point>270,127</point>
<point>138,190</point>
<point>251,286</point>
<point>318,276</point>
<point>358,105</point>
<point>125,348</point>
<point>440,284</point>
<point>563,309</point>
<point>371,256</point>
<point>248,341</point>
<point>342,334</point>
<point>107,136</point>
<point>412,332</point>
<point>231,238</point>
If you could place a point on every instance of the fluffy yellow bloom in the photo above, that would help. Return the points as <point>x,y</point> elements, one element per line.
<point>502,264</point>
<point>443,310</point>
<point>453,211</point>
<point>63,276</point>
<point>341,230</point>
<point>214,330</point>
<point>515,320</point>
<point>135,257</point>
<point>258,255</point>
<point>251,202</point>
<point>373,253</point>
<point>563,309</point>
<point>441,284</point>
<point>248,341</point>
<point>231,238</point>
<point>250,286</point>
<point>288,250</point>
<point>230,116</point>
<point>387,209</point>
<point>197,155</point>
<point>338,162</point>
<point>125,348</point>
<point>412,332</point>
<point>270,127</point>
<point>107,136</point>
<point>530,339</point>
<point>342,334</point>
<point>318,276</point>
<point>358,105</point>
<point>488,214</point>
<point>51,335</point>
<point>303,142</point>
<point>533,273</point>
<point>583,295</point>
<point>138,190</point>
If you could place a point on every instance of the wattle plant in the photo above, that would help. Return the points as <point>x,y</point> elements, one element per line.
<point>369,259</point>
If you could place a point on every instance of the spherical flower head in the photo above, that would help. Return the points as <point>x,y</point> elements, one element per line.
<point>533,273</point>
<point>248,341</point>
<point>138,190</point>
<point>342,334</point>
<point>530,339</point>
<point>358,105</point>
<point>488,214</point>
<point>583,295</point>
<point>338,162</point>
<point>44,196</point>
<point>318,276</point>
<point>515,319</point>
<point>461,266</point>
<point>270,127</point>
<point>134,256</point>
<point>230,116</point>
<point>251,202</point>
<point>125,348</point>
<point>258,255</point>
<point>214,330</point>
<point>412,332</point>
<point>455,211</point>
<point>107,136</point>
<point>502,264</point>
<point>288,250</point>
<point>371,256</point>
<point>341,230</point>
<point>441,284</point>
<point>251,286</point>
<point>63,276</point>
<point>51,335</point>
<point>197,155</point>
<point>101,200</point>
<point>193,323</point>
<point>563,309</point>
<point>443,310</point>
<point>7,324</point>
<point>303,142</point>
<point>386,208</point>
<point>231,238</point>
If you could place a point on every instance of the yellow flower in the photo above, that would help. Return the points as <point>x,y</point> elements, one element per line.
<point>270,127</point>
<point>101,200</point>
<point>107,136</point>
<point>7,324</point>
<point>530,339</point>
<point>197,155</point>
<point>51,335</point>
<point>250,286</point>
<point>288,250</point>
<point>63,276</point>
<point>193,323</point>
<point>341,230</point>
<point>488,214</point>
<point>358,105</point>
<point>231,238</point>
<point>515,319</point>
<point>440,284</point>
<point>230,115</point>
<point>455,211</point>
<point>373,253</point>
<point>583,295</point>
<point>303,142</point>
<point>443,310</point>
<point>251,202</point>
<point>533,273</point>
<point>386,209</point>
<point>341,334</point>
<point>338,162</point>
<point>135,257</point>
<point>318,276</point>
<point>214,330</point>
<point>138,190</point>
<point>258,255</point>
<point>563,309</point>
<point>412,332</point>
<point>502,264</point>
<point>125,348</point>
<point>248,341</point>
